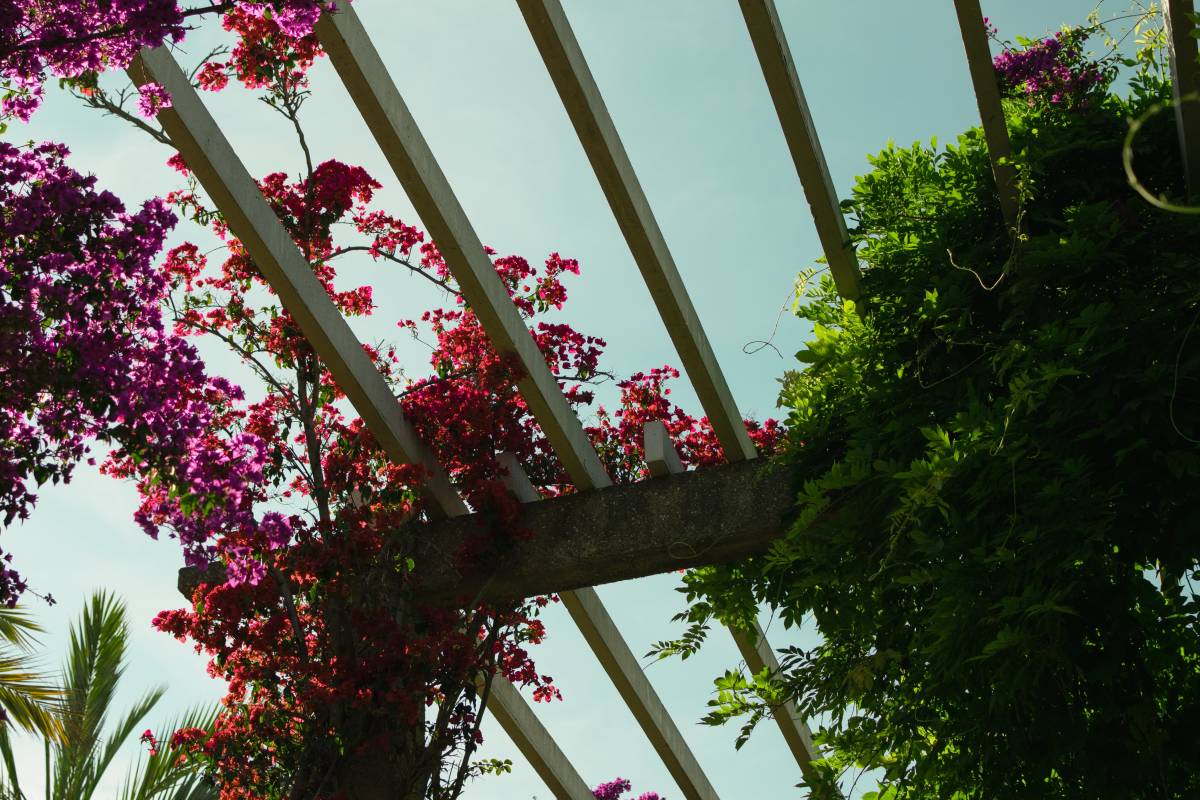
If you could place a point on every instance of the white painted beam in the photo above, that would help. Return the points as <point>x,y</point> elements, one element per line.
<point>212,159</point>
<point>775,58</point>
<point>573,79</point>
<point>366,78</point>
<point>756,651</point>
<point>601,632</point>
<point>991,112</point>
<point>535,742</point>
<point>1185,82</point>
<point>661,456</point>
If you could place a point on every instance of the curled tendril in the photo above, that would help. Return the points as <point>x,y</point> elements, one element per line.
<point>1127,157</point>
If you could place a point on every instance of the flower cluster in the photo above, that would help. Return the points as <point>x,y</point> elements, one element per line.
<point>299,528</point>
<point>616,789</point>
<point>1053,70</point>
<point>150,740</point>
<point>310,625</point>
<point>72,38</point>
<point>80,325</point>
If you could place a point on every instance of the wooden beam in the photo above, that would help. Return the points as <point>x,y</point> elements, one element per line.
<point>991,112</point>
<point>597,625</point>
<point>752,644</point>
<point>362,71</point>
<point>212,159</point>
<point>783,82</point>
<point>535,742</point>
<point>366,78</point>
<point>585,106</point>
<point>661,456</point>
<point>1185,80</point>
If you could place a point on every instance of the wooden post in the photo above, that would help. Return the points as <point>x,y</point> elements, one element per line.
<point>991,112</point>
<point>1185,80</point>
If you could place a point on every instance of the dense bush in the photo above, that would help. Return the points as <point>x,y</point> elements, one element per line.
<point>996,460</point>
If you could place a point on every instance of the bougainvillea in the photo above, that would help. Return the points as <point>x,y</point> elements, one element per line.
<point>1054,70</point>
<point>341,682</point>
<point>616,789</point>
<point>80,325</point>
<point>271,625</point>
<point>74,38</point>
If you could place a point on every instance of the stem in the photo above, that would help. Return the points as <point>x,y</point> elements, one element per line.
<point>110,33</point>
<point>402,262</point>
<point>308,408</point>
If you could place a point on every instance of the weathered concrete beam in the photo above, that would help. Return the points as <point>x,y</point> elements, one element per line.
<point>710,516</point>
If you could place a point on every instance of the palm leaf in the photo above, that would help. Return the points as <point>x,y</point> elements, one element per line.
<point>163,777</point>
<point>18,628</point>
<point>11,789</point>
<point>95,664</point>
<point>125,728</point>
<point>25,695</point>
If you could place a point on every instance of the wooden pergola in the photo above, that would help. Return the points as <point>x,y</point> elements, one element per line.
<point>602,533</point>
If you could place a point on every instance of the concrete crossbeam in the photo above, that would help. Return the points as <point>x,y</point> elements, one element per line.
<point>212,159</point>
<point>1185,82</point>
<point>991,112</point>
<point>710,516</point>
<point>588,113</point>
<point>783,82</point>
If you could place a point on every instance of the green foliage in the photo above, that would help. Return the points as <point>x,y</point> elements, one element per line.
<point>78,757</point>
<point>26,697</point>
<point>997,465</point>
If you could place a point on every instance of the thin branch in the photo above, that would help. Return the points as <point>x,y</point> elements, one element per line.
<point>110,33</point>
<point>101,101</point>
<point>397,260</point>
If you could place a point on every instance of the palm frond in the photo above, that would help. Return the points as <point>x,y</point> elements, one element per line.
<point>26,696</point>
<point>18,628</point>
<point>10,788</point>
<point>125,728</point>
<point>163,776</point>
<point>95,663</point>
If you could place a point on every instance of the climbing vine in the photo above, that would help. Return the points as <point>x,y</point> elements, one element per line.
<point>997,530</point>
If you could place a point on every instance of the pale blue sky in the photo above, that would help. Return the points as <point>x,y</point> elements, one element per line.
<point>685,91</point>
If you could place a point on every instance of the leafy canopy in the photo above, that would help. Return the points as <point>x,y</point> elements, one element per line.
<point>996,464</point>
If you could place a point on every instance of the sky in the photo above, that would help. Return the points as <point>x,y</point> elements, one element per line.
<point>688,99</point>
